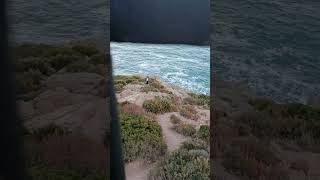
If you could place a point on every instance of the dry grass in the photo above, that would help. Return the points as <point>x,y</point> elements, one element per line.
<point>189,112</point>
<point>174,119</point>
<point>185,129</point>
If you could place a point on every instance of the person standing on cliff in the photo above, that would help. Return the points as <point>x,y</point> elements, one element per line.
<point>147,80</point>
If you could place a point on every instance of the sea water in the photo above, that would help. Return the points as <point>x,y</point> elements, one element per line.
<point>181,65</point>
<point>272,45</point>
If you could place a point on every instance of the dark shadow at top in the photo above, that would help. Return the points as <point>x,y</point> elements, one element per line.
<point>160,21</point>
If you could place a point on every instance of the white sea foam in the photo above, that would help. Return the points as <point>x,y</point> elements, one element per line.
<point>183,65</point>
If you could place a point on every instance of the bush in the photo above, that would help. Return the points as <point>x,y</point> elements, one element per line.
<point>189,112</point>
<point>41,50</point>
<point>80,66</point>
<point>195,144</point>
<point>58,158</point>
<point>204,132</point>
<point>197,99</point>
<point>291,110</point>
<point>182,164</point>
<point>289,122</point>
<point>174,119</point>
<point>98,59</point>
<point>248,157</point>
<point>142,138</point>
<point>44,132</point>
<point>28,81</point>
<point>33,63</point>
<point>121,81</point>
<point>59,61</point>
<point>185,129</point>
<point>132,109</point>
<point>159,105</point>
<point>85,50</point>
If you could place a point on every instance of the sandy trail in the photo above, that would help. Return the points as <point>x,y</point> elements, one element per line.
<point>172,138</point>
<point>137,170</point>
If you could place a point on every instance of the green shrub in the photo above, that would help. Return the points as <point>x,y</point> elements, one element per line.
<point>31,50</point>
<point>85,50</point>
<point>80,66</point>
<point>155,86</point>
<point>59,61</point>
<point>28,81</point>
<point>98,59</point>
<point>189,112</point>
<point>44,132</point>
<point>182,164</point>
<point>159,105</point>
<point>33,63</point>
<point>248,157</point>
<point>197,99</point>
<point>291,110</point>
<point>195,144</point>
<point>142,138</point>
<point>204,132</point>
<point>288,121</point>
<point>185,129</point>
<point>120,81</point>
<point>41,50</point>
<point>174,119</point>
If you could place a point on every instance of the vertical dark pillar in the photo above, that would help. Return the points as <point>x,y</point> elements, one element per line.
<point>11,159</point>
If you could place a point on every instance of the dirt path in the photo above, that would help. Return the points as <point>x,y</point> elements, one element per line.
<point>138,170</point>
<point>172,138</point>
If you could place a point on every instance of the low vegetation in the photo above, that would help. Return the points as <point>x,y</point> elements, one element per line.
<point>35,62</point>
<point>98,59</point>
<point>204,133</point>
<point>191,161</point>
<point>134,109</point>
<point>159,105</point>
<point>189,112</point>
<point>142,138</point>
<point>198,99</point>
<point>155,86</point>
<point>49,130</point>
<point>185,129</point>
<point>47,159</point>
<point>120,81</point>
<point>294,122</point>
<point>174,119</point>
<point>50,151</point>
<point>243,140</point>
<point>80,66</point>
<point>248,157</point>
<point>28,81</point>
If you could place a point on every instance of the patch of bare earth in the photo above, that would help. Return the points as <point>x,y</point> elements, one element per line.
<point>138,170</point>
